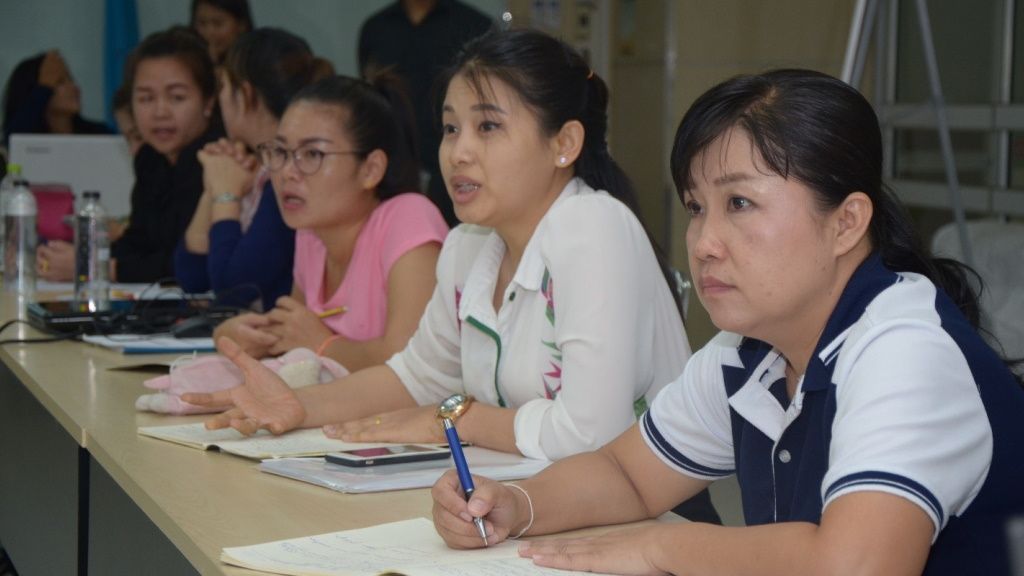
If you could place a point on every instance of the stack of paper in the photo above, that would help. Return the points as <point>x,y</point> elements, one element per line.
<point>482,462</point>
<point>410,548</point>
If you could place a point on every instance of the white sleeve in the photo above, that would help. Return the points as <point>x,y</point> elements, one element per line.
<point>430,365</point>
<point>909,421</point>
<point>689,425</point>
<point>604,276</point>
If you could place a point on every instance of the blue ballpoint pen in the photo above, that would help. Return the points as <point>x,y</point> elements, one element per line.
<point>463,469</point>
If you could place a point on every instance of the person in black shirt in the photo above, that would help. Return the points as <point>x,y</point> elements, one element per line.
<point>418,39</point>
<point>173,91</point>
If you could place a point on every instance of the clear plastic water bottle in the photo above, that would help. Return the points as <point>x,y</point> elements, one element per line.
<point>20,240</point>
<point>6,190</point>
<point>92,255</point>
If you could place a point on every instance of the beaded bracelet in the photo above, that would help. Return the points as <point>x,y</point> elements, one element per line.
<point>528,501</point>
<point>225,198</point>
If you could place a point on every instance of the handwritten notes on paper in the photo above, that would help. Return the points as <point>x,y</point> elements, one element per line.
<point>409,547</point>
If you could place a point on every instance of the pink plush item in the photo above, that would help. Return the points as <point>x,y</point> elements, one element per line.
<point>299,367</point>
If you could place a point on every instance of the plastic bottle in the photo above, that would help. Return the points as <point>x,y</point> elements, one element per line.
<point>6,190</point>
<point>20,240</point>
<point>92,255</point>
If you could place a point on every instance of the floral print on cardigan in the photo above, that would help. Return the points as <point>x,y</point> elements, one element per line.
<point>552,380</point>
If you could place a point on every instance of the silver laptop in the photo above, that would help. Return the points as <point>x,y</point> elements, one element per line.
<point>83,162</point>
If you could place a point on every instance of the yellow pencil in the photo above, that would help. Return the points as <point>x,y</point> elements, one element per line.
<point>332,312</point>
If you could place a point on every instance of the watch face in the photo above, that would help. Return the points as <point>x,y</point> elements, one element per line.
<point>451,406</point>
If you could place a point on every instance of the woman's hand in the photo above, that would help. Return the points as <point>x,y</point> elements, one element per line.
<point>621,552</point>
<point>264,400</point>
<point>249,332</point>
<point>418,424</point>
<point>55,261</point>
<point>505,511</point>
<point>294,325</point>
<point>227,168</point>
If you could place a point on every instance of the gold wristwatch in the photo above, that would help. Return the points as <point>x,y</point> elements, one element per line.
<point>454,406</point>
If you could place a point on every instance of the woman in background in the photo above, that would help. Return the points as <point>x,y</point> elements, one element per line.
<point>220,23</point>
<point>173,89</point>
<point>42,98</point>
<point>173,92</point>
<point>237,244</point>
<point>343,167</point>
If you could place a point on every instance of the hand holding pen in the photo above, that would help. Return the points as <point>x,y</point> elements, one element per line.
<point>462,468</point>
<point>506,508</point>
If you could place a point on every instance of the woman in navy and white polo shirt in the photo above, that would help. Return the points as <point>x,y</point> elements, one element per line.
<point>871,428</point>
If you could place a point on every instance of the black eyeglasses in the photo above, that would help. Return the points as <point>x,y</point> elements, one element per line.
<point>307,159</point>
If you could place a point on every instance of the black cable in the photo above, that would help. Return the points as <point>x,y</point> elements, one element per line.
<point>41,340</point>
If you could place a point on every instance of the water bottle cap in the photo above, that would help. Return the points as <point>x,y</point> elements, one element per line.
<point>14,168</point>
<point>91,194</point>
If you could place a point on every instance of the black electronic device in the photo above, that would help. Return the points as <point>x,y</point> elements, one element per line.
<point>396,454</point>
<point>128,316</point>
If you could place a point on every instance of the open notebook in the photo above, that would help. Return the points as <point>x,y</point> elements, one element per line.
<point>409,547</point>
<point>307,442</point>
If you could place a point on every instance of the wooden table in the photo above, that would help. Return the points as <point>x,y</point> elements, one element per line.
<point>82,493</point>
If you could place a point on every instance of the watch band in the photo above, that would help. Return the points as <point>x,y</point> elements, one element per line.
<point>225,198</point>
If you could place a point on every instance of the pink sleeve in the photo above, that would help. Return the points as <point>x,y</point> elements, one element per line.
<point>410,220</point>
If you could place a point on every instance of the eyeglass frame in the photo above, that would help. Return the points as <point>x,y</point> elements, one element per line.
<point>292,155</point>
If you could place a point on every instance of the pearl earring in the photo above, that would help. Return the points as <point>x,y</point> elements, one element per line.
<point>562,160</point>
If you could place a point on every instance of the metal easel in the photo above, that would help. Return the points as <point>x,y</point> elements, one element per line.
<point>867,14</point>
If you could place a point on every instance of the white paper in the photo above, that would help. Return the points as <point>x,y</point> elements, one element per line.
<point>411,547</point>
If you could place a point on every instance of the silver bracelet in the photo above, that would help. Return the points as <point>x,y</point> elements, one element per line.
<point>225,198</point>
<point>528,501</point>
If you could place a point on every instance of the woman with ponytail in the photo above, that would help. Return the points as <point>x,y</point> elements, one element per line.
<point>550,308</point>
<point>870,427</point>
<point>343,167</point>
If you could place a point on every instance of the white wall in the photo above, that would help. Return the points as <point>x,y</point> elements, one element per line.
<point>75,27</point>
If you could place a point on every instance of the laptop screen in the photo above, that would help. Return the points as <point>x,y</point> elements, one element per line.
<point>82,162</point>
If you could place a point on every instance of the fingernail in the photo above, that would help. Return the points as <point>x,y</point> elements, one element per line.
<point>465,516</point>
<point>330,429</point>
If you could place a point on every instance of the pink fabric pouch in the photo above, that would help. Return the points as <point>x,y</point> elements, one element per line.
<point>298,367</point>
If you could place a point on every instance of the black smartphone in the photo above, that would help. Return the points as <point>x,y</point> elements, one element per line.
<point>395,454</point>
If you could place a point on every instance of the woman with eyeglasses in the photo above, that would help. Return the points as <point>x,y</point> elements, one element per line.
<point>237,244</point>
<point>343,167</point>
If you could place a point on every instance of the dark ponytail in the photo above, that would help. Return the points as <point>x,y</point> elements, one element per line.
<point>558,86</point>
<point>379,117</point>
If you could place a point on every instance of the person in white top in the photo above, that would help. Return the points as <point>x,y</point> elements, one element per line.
<point>551,308</point>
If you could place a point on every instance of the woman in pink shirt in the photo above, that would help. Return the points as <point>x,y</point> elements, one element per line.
<point>344,171</point>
